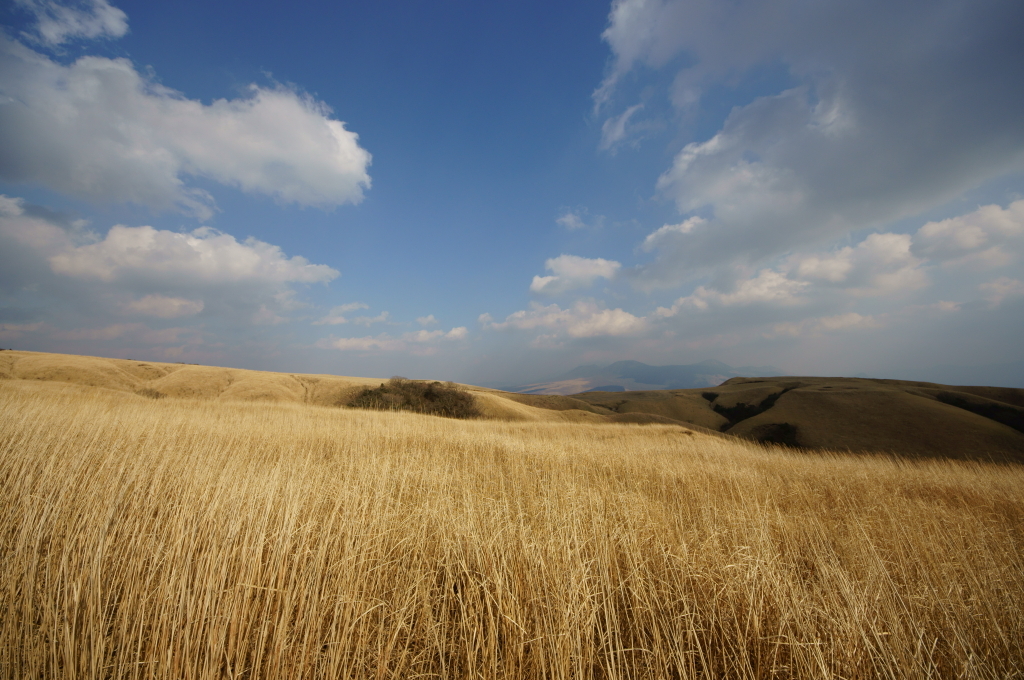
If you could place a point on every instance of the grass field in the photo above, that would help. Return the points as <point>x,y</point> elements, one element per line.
<point>190,538</point>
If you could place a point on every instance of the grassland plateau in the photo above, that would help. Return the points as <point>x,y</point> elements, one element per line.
<point>175,521</point>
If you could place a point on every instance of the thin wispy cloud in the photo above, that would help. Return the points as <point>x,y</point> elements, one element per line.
<point>57,22</point>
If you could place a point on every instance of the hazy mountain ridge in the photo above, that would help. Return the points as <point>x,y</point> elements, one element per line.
<point>636,375</point>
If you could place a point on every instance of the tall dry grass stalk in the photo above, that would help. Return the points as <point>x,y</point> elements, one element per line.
<point>190,539</point>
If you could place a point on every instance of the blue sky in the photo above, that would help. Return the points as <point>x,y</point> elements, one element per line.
<point>497,192</point>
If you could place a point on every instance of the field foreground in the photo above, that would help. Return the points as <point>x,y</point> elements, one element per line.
<point>187,538</point>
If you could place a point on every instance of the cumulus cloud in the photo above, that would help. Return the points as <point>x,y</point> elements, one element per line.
<point>163,307</point>
<point>825,324</point>
<point>570,272</point>
<point>382,342</point>
<point>857,139</point>
<point>426,320</point>
<point>203,255</point>
<point>370,320</point>
<point>571,221</point>
<point>880,264</point>
<point>990,236</point>
<point>100,130</point>
<point>58,22</point>
<point>807,293</point>
<point>767,287</point>
<point>1002,289</point>
<point>578,218</point>
<point>147,272</point>
<point>412,342</point>
<point>458,333</point>
<point>336,315</point>
<point>585,319</point>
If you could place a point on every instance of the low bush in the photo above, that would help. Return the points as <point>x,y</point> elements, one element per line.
<point>433,398</point>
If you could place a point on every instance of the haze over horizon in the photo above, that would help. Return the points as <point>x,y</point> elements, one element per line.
<point>496,193</point>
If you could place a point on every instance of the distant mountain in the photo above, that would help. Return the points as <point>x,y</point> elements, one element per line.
<point>636,375</point>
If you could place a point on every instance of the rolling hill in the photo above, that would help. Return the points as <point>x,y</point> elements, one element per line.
<point>914,419</point>
<point>157,380</point>
<point>635,375</point>
<point>857,414</point>
<point>245,526</point>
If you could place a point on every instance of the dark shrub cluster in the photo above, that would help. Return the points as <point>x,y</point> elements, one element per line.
<point>149,392</point>
<point>432,398</point>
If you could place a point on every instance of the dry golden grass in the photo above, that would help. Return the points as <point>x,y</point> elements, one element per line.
<point>188,381</point>
<point>179,538</point>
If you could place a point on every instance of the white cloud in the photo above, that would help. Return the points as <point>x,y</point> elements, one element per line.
<point>163,307</point>
<point>147,271</point>
<point>614,129</point>
<point>991,236</point>
<point>11,206</point>
<point>585,319</point>
<point>571,272</point>
<point>1002,289</point>
<point>426,320</point>
<point>458,333</point>
<point>571,221</point>
<point>578,218</point>
<point>422,336</point>
<point>98,129</point>
<point>28,230</point>
<point>336,315</point>
<point>370,320</point>
<point>848,293</point>
<point>203,255</point>
<point>825,324</point>
<point>848,143</point>
<point>849,320</point>
<point>412,341</point>
<point>768,287</point>
<point>881,264</point>
<point>382,342</point>
<point>265,316</point>
<point>13,331</point>
<point>669,231</point>
<point>57,22</point>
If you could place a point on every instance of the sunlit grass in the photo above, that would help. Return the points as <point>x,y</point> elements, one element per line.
<point>196,539</point>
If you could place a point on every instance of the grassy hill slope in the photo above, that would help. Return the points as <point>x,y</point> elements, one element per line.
<point>210,538</point>
<point>908,418</point>
<point>912,418</point>
<point>156,380</point>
